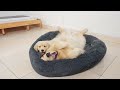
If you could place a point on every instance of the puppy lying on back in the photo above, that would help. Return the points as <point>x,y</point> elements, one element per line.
<point>71,46</point>
<point>61,50</point>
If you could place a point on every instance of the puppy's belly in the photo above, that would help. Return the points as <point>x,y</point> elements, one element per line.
<point>74,40</point>
<point>77,43</point>
<point>75,53</point>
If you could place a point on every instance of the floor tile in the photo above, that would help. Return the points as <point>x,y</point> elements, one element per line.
<point>113,71</point>
<point>84,75</point>
<point>104,64</point>
<point>18,62</point>
<point>5,73</point>
<point>2,67</point>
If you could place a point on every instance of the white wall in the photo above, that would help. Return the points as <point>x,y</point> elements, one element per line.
<point>54,18</point>
<point>104,22</point>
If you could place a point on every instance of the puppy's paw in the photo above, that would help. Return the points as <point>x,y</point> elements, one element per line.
<point>43,58</point>
<point>82,51</point>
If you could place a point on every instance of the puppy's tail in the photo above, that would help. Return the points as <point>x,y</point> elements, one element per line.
<point>83,31</point>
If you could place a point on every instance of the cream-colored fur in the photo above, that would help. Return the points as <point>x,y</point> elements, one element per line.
<point>44,45</point>
<point>64,52</point>
<point>68,45</point>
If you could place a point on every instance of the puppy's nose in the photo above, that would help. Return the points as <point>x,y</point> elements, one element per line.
<point>42,50</point>
<point>48,54</point>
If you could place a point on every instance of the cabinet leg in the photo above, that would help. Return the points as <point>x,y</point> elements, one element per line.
<point>28,27</point>
<point>40,25</point>
<point>3,31</point>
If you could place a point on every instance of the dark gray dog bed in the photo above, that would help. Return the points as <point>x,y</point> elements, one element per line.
<point>95,51</point>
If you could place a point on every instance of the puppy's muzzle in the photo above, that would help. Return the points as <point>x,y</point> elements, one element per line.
<point>42,50</point>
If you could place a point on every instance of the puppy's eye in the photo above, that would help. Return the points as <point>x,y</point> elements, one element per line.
<point>44,46</point>
<point>39,46</point>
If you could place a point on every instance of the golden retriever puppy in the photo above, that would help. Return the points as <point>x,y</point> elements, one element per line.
<point>60,51</point>
<point>42,46</point>
<point>70,46</point>
<point>66,45</point>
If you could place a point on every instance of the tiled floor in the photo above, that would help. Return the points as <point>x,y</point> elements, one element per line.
<point>15,63</point>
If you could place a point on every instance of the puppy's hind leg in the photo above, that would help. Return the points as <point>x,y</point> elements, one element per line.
<point>82,32</point>
<point>85,30</point>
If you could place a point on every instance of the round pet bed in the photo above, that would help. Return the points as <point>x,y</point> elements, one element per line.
<point>95,51</point>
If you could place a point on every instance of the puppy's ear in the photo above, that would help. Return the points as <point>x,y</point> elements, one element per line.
<point>36,47</point>
<point>48,45</point>
<point>61,45</point>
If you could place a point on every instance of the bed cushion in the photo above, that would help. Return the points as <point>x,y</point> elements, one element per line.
<point>95,51</point>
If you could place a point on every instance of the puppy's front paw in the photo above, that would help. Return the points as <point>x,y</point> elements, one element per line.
<point>43,59</point>
<point>82,51</point>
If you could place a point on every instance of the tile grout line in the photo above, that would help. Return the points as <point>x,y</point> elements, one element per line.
<point>99,76</point>
<point>103,77</point>
<point>108,66</point>
<point>26,74</point>
<point>94,73</point>
<point>9,69</point>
